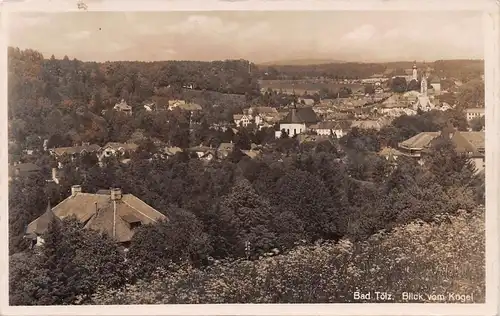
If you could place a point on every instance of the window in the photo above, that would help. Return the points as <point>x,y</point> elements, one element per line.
<point>135,225</point>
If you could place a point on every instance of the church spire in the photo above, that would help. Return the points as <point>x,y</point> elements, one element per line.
<point>415,71</point>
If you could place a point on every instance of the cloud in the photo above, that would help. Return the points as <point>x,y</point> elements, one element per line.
<point>24,20</point>
<point>80,35</point>
<point>362,33</point>
<point>203,24</point>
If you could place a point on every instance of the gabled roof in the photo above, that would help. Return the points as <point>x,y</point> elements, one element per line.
<point>327,125</point>
<point>475,138</point>
<point>171,151</point>
<point>25,167</point>
<point>190,107</point>
<point>41,224</point>
<point>97,212</point>
<point>226,147</point>
<point>123,106</point>
<point>303,138</point>
<point>201,148</point>
<point>75,149</point>
<point>464,141</point>
<point>366,124</point>
<point>389,151</point>
<point>474,110</point>
<point>462,144</point>
<point>300,116</point>
<point>419,141</point>
<point>252,153</point>
<point>262,110</point>
<point>121,146</point>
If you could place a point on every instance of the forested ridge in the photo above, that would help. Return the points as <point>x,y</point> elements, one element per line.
<point>259,230</point>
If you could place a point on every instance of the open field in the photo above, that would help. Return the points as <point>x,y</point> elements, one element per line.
<point>301,86</point>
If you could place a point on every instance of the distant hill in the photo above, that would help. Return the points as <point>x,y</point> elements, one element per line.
<point>301,62</point>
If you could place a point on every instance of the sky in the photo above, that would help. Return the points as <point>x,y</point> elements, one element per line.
<point>259,36</point>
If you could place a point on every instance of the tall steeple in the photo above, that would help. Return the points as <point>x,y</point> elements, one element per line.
<point>423,85</point>
<point>415,72</point>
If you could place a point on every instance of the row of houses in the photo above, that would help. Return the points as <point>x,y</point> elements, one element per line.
<point>123,107</point>
<point>300,120</point>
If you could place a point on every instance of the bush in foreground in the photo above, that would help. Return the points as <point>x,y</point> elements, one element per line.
<point>447,256</point>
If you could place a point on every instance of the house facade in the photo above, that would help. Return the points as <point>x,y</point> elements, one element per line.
<point>73,152</point>
<point>472,113</point>
<point>328,128</point>
<point>123,107</point>
<point>116,149</point>
<point>297,121</point>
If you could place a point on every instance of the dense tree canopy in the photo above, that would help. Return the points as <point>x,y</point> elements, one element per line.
<point>225,216</point>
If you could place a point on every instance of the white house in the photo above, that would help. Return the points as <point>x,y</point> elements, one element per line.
<point>123,107</point>
<point>242,120</point>
<point>116,149</point>
<point>297,121</point>
<point>473,113</point>
<point>328,128</point>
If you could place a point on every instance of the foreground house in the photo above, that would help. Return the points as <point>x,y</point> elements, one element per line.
<point>108,211</point>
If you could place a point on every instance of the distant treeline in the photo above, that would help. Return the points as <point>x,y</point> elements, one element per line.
<point>460,69</point>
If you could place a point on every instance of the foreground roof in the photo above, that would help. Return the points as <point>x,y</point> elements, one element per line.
<point>97,212</point>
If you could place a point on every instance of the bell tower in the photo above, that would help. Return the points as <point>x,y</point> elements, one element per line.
<point>414,72</point>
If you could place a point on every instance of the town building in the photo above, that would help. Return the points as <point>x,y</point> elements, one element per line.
<point>117,150</point>
<point>423,102</point>
<point>260,116</point>
<point>22,170</point>
<point>329,128</point>
<point>225,149</point>
<point>123,107</point>
<point>202,152</point>
<point>108,211</point>
<point>472,113</point>
<point>297,121</point>
<point>72,153</point>
<point>470,144</point>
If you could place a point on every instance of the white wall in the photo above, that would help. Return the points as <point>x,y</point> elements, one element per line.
<point>293,129</point>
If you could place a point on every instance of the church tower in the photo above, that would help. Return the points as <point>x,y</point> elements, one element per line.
<point>423,85</point>
<point>415,72</point>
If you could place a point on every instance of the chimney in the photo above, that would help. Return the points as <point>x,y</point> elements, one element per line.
<point>54,175</point>
<point>75,189</point>
<point>96,209</point>
<point>116,194</point>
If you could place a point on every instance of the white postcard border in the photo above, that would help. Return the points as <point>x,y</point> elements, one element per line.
<point>492,99</point>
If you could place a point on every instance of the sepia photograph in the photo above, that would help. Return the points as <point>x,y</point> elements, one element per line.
<point>245,157</point>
